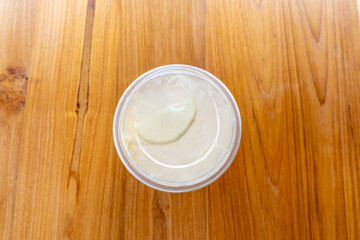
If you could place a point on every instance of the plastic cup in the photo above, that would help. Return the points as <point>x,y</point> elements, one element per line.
<point>157,172</point>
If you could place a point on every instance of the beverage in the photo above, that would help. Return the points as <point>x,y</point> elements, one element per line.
<point>177,128</point>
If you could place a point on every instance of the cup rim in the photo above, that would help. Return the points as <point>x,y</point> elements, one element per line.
<point>234,145</point>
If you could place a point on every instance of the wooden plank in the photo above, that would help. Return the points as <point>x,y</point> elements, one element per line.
<point>247,50</point>
<point>129,38</point>
<point>54,31</point>
<point>15,52</point>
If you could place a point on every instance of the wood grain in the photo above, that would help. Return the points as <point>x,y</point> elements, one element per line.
<point>15,42</point>
<point>292,65</point>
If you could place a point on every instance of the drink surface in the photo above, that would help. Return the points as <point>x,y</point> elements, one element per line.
<point>177,128</point>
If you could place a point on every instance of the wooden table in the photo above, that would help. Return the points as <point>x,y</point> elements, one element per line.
<point>292,65</point>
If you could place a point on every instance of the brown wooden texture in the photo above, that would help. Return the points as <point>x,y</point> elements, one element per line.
<point>292,65</point>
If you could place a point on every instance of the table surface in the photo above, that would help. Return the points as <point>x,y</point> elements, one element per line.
<point>292,65</point>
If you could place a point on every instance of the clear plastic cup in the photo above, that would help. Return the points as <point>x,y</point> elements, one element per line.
<point>203,153</point>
